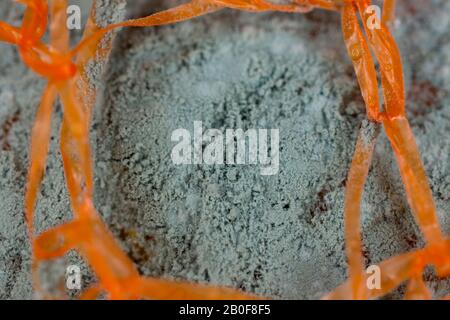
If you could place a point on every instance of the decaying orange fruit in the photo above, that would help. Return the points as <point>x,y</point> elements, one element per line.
<point>64,69</point>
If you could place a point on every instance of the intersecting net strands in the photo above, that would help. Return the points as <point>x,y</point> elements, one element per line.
<point>65,71</point>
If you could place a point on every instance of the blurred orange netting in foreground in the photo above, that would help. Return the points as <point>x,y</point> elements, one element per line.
<point>65,71</point>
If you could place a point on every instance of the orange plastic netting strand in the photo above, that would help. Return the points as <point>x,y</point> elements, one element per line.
<point>64,69</point>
